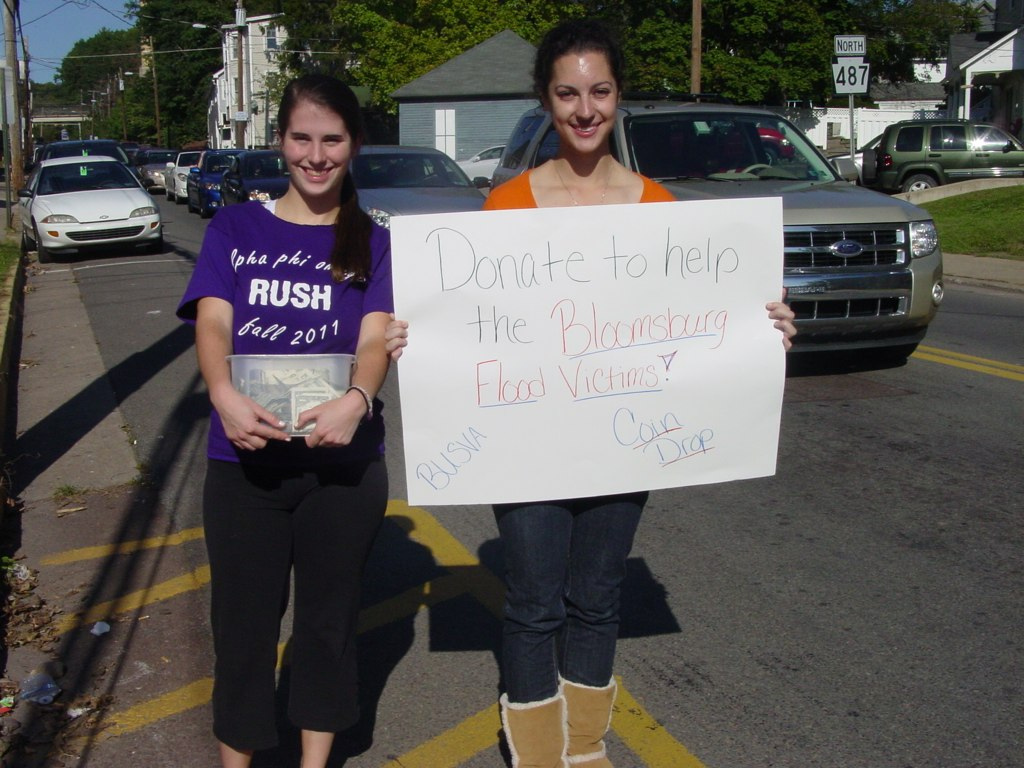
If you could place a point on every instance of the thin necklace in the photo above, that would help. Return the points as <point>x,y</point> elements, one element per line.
<point>573,197</point>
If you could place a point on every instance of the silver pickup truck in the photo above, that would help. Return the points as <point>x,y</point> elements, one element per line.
<point>863,271</point>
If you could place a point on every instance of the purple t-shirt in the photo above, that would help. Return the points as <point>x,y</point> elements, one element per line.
<point>277,277</point>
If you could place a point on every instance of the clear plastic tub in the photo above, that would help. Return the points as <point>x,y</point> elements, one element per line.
<point>287,385</point>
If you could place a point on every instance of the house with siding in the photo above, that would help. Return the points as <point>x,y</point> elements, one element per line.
<point>985,69</point>
<point>470,102</point>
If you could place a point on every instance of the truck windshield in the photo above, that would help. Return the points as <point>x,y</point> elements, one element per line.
<point>722,147</point>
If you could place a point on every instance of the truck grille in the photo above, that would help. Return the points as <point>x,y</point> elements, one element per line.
<point>105,234</point>
<point>837,309</point>
<point>811,247</point>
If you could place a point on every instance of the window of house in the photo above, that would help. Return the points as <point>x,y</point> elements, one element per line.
<point>444,131</point>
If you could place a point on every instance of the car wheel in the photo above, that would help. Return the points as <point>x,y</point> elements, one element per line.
<point>205,211</point>
<point>179,200</point>
<point>168,193</point>
<point>156,246</point>
<point>918,182</point>
<point>26,244</point>
<point>43,253</point>
<point>188,199</point>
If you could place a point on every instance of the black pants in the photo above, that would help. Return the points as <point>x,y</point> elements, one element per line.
<point>262,524</point>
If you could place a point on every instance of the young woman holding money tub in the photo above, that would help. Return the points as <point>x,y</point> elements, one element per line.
<point>306,274</point>
<point>565,560</point>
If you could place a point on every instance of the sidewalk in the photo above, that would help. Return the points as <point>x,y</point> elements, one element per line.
<point>1004,274</point>
<point>76,484</point>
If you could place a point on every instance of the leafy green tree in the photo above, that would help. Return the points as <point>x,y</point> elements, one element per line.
<point>94,62</point>
<point>899,32</point>
<point>185,56</point>
<point>385,44</point>
<point>767,51</point>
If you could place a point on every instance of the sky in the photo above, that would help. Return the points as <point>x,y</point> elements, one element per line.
<point>52,27</point>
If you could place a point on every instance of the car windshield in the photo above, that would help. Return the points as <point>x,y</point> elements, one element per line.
<point>215,163</point>
<point>264,167</point>
<point>685,145</point>
<point>407,169</point>
<point>84,177</point>
<point>157,158</point>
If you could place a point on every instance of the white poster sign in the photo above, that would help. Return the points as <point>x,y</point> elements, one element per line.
<point>567,352</point>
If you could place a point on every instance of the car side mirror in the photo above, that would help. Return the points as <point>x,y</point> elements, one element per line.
<point>846,168</point>
<point>170,165</point>
<point>481,182</point>
<point>25,192</point>
<point>193,171</point>
<point>1009,147</point>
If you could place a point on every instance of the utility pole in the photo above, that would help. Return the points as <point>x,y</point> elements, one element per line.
<point>156,93</point>
<point>12,126</point>
<point>695,46</point>
<point>240,116</point>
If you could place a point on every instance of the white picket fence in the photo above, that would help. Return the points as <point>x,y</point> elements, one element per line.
<point>825,123</point>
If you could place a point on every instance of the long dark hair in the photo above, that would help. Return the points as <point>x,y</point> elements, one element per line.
<point>575,36</point>
<point>351,254</point>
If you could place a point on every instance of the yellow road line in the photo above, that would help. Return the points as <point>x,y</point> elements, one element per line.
<point>124,548</point>
<point>163,591</point>
<point>971,363</point>
<point>450,553</point>
<point>456,745</point>
<point>410,602</point>
<point>639,731</point>
<point>132,719</point>
<point>647,737</point>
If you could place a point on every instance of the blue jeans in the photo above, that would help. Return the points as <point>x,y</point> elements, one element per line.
<point>565,562</point>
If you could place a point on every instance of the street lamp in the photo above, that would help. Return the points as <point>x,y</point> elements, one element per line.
<point>124,118</point>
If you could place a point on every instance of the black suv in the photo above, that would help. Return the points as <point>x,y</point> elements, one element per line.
<point>862,269</point>
<point>920,154</point>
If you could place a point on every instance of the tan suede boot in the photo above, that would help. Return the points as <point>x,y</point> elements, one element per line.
<point>536,732</point>
<point>589,717</point>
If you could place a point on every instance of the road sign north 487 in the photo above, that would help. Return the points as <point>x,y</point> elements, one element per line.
<point>850,75</point>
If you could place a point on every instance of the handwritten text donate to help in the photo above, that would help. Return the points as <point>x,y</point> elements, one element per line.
<point>566,352</point>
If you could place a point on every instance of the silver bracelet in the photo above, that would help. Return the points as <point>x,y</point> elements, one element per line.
<point>366,397</point>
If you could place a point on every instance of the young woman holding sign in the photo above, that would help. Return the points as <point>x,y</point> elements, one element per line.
<point>566,560</point>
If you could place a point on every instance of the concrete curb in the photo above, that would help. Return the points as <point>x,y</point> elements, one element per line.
<point>959,188</point>
<point>12,296</point>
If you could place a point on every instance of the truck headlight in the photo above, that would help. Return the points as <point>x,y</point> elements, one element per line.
<point>924,238</point>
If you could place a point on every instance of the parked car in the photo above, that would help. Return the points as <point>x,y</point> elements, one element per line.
<point>776,145</point>
<point>482,164</point>
<point>150,164</point>
<point>920,154</point>
<point>176,175</point>
<point>83,148</point>
<point>259,174</point>
<point>131,149</point>
<point>203,183</point>
<point>396,180</point>
<point>864,159</point>
<point>862,270</point>
<point>80,202</point>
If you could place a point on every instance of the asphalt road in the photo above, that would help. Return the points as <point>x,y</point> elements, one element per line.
<point>862,607</point>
